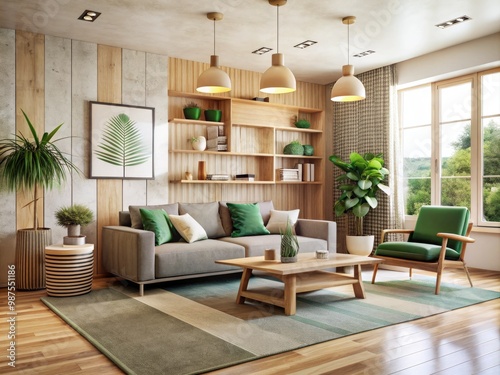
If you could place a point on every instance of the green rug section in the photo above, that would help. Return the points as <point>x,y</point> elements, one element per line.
<point>195,326</point>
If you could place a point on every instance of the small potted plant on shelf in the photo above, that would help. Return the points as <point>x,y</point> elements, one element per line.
<point>359,184</point>
<point>302,123</point>
<point>192,111</point>
<point>73,218</point>
<point>293,148</point>
<point>289,247</point>
<point>213,115</point>
<point>199,143</point>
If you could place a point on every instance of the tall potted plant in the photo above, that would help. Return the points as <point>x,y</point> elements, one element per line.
<point>30,165</point>
<point>359,184</point>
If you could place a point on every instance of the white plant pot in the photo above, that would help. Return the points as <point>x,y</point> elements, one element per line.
<point>200,144</point>
<point>360,245</point>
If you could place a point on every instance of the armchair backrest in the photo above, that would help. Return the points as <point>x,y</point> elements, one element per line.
<point>432,220</point>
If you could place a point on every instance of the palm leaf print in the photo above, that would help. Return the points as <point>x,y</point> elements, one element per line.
<point>122,143</point>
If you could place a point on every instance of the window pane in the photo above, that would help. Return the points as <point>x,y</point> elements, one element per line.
<point>491,169</point>
<point>455,144</point>
<point>455,103</point>
<point>416,106</point>
<point>417,168</point>
<point>490,94</point>
<point>455,191</point>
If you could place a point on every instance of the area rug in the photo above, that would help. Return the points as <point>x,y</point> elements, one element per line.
<point>194,327</point>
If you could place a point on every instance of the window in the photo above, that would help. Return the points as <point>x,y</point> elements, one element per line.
<point>451,145</point>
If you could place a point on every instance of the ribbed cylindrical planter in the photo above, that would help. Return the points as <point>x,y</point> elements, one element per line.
<point>30,264</point>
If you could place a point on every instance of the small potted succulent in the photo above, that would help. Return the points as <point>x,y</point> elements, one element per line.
<point>289,246</point>
<point>199,143</point>
<point>73,218</point>
<point>303,123</point>
<point>192,111</point>
<point>213,115</point>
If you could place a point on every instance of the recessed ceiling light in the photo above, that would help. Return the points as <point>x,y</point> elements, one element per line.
<point>262,50</point>
<point>364,53</point>
<point>453,22</point>
<point>89,15</point>
<point>305,44</point>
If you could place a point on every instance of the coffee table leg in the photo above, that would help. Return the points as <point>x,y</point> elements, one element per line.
<point>290,297</point>
<point>359,290</point>
<point>245,277</point>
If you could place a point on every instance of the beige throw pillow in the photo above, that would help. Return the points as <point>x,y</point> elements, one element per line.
<point>188,228</point>
<point>277,221</point>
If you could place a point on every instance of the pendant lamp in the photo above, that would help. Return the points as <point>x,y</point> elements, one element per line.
<point>348,88</point>
<point>214,80</point>
<point>278,79</point>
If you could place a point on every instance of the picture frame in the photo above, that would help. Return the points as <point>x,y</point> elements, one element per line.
<point>122,141</point>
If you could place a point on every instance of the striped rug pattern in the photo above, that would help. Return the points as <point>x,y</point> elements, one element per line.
<point>195,326</point>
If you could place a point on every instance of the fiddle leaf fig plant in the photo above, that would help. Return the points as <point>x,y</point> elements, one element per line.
<point>33,164</point>
<point>359,184</point>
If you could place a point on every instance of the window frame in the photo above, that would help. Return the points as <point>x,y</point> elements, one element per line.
<point>476,173</point>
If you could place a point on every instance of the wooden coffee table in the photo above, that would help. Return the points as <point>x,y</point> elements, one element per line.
<point>306,275</point>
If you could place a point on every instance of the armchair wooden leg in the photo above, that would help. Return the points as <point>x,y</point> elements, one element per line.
<point>375,269</point>
<point>410,271</point>
<point>438,282</point>
<point>468,275</point>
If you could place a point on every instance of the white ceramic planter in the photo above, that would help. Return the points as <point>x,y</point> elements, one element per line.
<point>360,245</point>
<point>200,144</point>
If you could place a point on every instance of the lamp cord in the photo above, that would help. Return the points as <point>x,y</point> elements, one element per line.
<point>277,29</point>
<point>348,43</point>
<point>214,36</point>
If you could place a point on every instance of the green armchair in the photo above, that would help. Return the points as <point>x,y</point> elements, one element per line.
<point>438,241</point>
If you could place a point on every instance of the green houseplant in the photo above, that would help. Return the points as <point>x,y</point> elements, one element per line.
<point>192,111</point>
<point>73,218</point>
<point>359,185</point>
<point>289,246</point>
<point>31,165</point>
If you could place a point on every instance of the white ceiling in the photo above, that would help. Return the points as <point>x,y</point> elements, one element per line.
<point>396,30</point>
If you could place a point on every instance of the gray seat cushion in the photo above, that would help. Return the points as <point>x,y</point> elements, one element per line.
<point>255,245</point>
<point>182,258</point>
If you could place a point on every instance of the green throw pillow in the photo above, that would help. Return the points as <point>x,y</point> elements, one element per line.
<point>158,222</point>
<point>247,219</point>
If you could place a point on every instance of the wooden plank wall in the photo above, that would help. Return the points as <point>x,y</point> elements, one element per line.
<point>53,79</point>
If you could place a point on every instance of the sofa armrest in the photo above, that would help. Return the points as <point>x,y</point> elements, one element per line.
<point>322,229</point>
<point>129,252</point>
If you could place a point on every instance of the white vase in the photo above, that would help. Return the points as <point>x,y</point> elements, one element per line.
<point>200,144</point>
<point>360,245</point>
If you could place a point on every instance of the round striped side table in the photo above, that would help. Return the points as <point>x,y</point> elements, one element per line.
<point>69,269</point>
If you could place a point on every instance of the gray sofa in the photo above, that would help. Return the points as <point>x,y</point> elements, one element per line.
<point>129,251</point>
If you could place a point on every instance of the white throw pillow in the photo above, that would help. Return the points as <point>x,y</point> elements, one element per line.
<point>279,219</point>
<point>188,228</point>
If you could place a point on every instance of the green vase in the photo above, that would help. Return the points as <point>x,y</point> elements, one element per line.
<point>308,150</point>
<point>192,113</point>
<point>213,115</point>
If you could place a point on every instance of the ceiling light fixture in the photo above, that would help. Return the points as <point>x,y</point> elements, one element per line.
<point>348,88</point>
<point>278,79</point>
<point>305,44</point>
<point>364,53</point>
<point>89,15</point>
<point>453,22</point>
<point>214,80</point>
<point>262,50</point>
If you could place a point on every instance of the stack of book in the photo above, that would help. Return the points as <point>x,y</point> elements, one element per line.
<point>218,177</point>
<point>245,177</point>
<point>216,140</point>
<point>289,174</point>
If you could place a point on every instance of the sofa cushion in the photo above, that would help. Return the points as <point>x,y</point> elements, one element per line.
<point>189,229</point>
<point>279,219</point>
<point>180,258</point>
<point>207,214</point>
<point>255,245</point>
<point>264,207</point>
<point>135,215</point>
<point>247,219</point>
<point>157,221</point>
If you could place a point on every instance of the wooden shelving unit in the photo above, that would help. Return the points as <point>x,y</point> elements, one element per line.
<point>256,134</point>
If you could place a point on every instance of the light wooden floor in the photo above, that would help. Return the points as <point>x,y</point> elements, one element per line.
<point>464,341</point>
